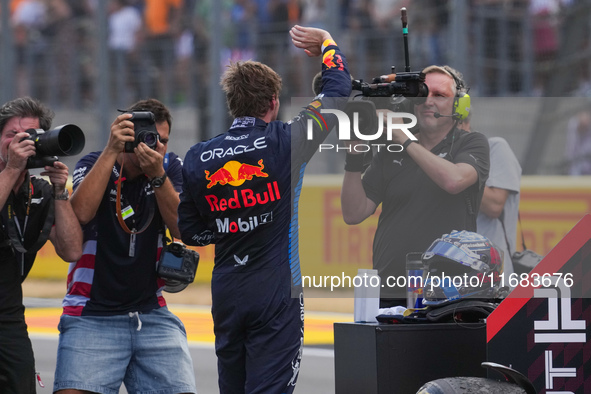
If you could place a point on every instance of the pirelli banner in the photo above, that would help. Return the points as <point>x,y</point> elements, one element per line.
<point>550,207</point>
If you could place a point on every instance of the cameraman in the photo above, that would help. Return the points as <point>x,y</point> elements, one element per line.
<point>244,199</point>
<point>432,187</point>
<point>115,325</point>
<point>29,205</point>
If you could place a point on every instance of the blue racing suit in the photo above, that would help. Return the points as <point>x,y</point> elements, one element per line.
<point>241,192</point>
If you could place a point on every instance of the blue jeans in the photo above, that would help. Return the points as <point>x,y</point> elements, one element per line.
<point>146,351</point>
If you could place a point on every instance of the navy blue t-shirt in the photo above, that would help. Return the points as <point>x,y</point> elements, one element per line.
<point>117,272</point>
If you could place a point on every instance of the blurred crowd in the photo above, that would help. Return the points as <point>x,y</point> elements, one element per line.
<point>159,47</point>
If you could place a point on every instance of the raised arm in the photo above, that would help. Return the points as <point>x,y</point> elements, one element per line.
<point>66,234</point>
<point>355,205</point>
<point>13,166</point>
<point>454,178</point>
<point>89,192</point>
<point>167,198</point>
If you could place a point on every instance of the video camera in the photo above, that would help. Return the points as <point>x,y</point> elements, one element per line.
<point>64,140</point>
<point>396,87</point>
<point>144,126</point>
<point>405,84</point>
<point>389,92</point>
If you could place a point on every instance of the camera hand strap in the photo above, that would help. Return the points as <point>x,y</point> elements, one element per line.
<point>120,214</point>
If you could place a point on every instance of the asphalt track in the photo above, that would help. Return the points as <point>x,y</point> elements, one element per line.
<point>316,374</point>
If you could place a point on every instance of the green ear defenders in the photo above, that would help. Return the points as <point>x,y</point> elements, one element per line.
<point>461,106</point>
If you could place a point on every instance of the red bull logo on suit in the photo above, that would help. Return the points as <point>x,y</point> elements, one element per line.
<point>235,173</point>
<point>244,198</point>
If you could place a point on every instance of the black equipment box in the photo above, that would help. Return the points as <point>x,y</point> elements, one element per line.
<point>373,358</point>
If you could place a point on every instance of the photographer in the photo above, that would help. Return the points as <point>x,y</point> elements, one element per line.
<point>432,187</point>
<point>245,200</point>
<point>33,210</point>
<point>115,325</point>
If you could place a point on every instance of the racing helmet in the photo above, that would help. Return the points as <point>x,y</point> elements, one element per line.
<point>461,265</point>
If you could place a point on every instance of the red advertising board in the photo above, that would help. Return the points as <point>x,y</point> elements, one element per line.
<point>542,328</point>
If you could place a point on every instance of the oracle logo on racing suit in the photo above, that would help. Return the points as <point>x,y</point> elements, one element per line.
<point>235,173</point>
<point>243,225</point>
<point>220,153</point>
<point>246,198</point>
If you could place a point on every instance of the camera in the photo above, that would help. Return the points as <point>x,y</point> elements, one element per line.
<point>177,264</point>
<point>144,126</point>
<point>405,84</point>
<point>64,140</point>
<point>395,92</point>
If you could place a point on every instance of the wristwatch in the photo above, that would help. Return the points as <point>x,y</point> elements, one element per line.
<point>158,181</point>
<point>64,196</point>
<point>408,142</point>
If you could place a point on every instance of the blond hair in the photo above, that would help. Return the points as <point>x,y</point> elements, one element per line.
<point>455,75</point>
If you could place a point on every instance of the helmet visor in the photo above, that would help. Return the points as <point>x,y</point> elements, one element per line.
<point>454,253</point>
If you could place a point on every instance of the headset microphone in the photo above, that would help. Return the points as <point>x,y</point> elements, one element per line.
<point>438,115</point>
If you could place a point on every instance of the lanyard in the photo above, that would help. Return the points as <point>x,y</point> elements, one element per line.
<point>120,214</point>
<point>12,212</point>
<point>12,217</point>
<point>17,234</point>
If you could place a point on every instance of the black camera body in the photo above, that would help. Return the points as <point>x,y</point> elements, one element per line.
<point>406,84</point>
<point>395,92</point>
<point>64,140</point>
<point>144,126</point>
<point>178,263</point>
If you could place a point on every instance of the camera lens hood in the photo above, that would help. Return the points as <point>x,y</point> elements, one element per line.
<point>174,286</point>
<point>64,140</point>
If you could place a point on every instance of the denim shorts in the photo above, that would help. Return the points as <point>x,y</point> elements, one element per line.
<point>146,351</point>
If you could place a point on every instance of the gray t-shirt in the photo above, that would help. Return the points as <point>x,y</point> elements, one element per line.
<point>505,173</point>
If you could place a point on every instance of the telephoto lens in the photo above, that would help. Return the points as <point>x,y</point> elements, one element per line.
<point>64,140</point>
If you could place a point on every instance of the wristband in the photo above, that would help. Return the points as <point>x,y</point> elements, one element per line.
<point>327,43</point>
<point>407,143</point>
<point>354,163</point>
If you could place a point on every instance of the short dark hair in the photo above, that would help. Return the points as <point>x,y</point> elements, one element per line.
<point>26,107</point>
<point>250,87</point>
<point>161,113</point>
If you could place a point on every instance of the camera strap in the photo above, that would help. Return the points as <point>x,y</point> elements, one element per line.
<point>16,233</point>
<point>118,206</point>
<point>505,233</point>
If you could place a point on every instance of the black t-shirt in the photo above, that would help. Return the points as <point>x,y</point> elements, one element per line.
<point>415,211</point>
<point>15,266</point>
